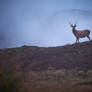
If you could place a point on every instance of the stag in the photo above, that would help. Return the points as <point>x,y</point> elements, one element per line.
<point>79,33</point>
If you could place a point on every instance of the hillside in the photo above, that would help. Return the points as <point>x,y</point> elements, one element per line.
<point>75,56</point>
<point>41,69</point>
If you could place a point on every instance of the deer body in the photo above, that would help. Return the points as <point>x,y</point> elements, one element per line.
<point>80,33</point>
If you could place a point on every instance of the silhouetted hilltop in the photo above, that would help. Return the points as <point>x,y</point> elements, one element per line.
<point>27,58</point>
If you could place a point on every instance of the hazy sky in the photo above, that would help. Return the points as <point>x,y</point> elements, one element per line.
<point>30,22</point>
<point>47,4</point>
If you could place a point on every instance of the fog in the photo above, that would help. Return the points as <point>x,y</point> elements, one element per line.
<point>42,22</point>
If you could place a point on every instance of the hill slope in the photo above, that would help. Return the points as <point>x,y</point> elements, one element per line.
<point>75,56</point>
<point>28,68</point>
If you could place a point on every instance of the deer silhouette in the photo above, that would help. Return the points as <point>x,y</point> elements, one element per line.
<point>79,33</point>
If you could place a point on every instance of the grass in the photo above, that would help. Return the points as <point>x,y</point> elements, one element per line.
<point>55,69</point>
<point>48,81</point>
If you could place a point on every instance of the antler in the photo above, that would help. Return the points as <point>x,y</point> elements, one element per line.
<point>70,23</point>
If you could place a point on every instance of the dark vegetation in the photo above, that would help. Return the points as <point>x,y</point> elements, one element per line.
<point>54,69</point>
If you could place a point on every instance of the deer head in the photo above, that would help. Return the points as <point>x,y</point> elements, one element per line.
<point>73,26</point>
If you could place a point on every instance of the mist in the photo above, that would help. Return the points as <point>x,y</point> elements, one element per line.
<point>42,22</point>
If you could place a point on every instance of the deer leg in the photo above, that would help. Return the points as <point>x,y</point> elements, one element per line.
<point>77,40</point>
<point>88,38</point>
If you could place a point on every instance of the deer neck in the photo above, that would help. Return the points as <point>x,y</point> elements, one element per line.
<point>74,31</point>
